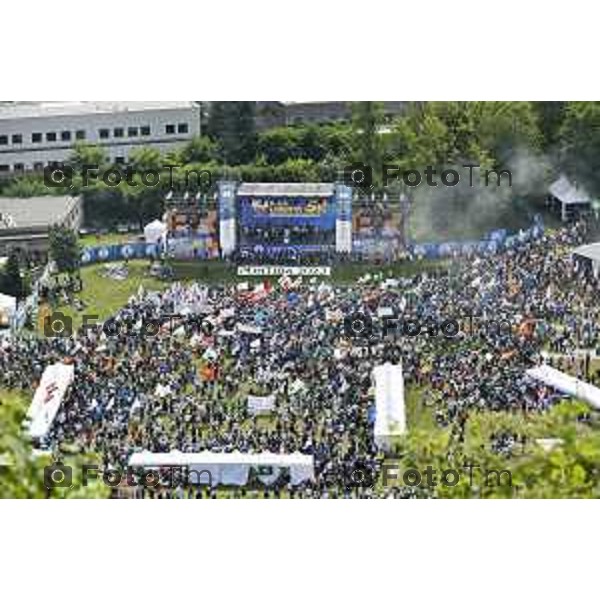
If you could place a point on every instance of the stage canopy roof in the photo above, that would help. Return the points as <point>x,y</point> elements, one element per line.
<point>567,384</point>
<point>562,189</point>
<point>231,468</point>
<point>591,251</point>
<point>390,417</point>
<point>286,189</point>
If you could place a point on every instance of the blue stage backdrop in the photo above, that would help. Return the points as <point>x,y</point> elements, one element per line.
<point>287,211</point>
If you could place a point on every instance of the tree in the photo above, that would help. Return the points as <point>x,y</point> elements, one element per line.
<point>551,116</point>
<point>580,143</point>
<point>22,473</point>
<point>11,280</point>
<point>231,125</point>
<point>87,154</point>
<point>145,158</point>
<point>64,249</point>
<point>367,118</point>
<point>28,187</point>
<point>199,150</point>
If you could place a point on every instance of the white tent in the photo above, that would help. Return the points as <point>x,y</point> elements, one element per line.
<point>592,253</point>
<point>229,469</point>
<point>567,384</point>
<point>48,397</point>
<point>8,307</point>
<point>390,417</point>
<point>568,195</point>
<point>154,232</point>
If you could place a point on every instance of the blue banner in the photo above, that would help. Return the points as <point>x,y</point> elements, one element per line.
<point>118,252</point>
<point>287,211</point>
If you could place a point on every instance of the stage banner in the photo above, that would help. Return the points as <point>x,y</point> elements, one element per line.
<point>261,405</point>
<point>48,397</point>
<point>279,271</point>
<point>287,211</point>
<point>227,216</point>
<point>343,223</point>
<point>117,252</point>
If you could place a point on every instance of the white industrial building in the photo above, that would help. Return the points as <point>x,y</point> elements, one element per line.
<point>36,134</point>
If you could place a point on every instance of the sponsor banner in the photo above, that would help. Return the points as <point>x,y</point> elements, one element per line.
<point>286,211</point>
<point>118,252</point>
<point>260,405</point>
<point>279,271</point>
<point>48,397</point>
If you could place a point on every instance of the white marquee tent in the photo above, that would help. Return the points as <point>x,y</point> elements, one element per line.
<point>8,307</point>
<point>568,195</point>
<point>591,252</point>
<point>48,397</point>
<point>231,468</point>
<point>154,232</point>
<point>566,384</point>
<point>390,417</point>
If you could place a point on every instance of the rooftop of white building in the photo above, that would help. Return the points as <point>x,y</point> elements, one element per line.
<point>32,110</point>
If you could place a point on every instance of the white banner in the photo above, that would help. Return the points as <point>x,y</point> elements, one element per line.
<point>259,405</point>
<point>214,468</point>
<point>48,397</point>
<point>390,418</point>
<point>278,271</point>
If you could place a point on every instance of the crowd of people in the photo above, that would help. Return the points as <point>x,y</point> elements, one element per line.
<point>184,387</point>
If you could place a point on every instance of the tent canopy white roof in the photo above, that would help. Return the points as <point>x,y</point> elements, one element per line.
<point>7,303</point>
<point>154,231</point>
<point>567,384</point>
<point>171,459</point>
<point>591,251</point>
<point>562,189</point>
<point>155,225</point>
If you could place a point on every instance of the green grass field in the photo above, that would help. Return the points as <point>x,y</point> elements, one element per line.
<point>103,296</point>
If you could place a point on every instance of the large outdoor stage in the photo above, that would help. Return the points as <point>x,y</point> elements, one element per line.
<point>266,220</point>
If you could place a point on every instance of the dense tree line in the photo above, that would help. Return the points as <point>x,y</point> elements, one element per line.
<point>558,135</point>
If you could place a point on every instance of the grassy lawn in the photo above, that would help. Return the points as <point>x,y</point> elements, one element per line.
<point>103,296</point>
<point>15,397</point>
<point>106,240</point>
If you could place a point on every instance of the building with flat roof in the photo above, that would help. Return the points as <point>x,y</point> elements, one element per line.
<point>36,134</point>
<point>279,114</point>
<point>25,222</point>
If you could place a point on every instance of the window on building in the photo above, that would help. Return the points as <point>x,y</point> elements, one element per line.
<point>17,138</point>
<point>132,131</point>
<point>170,129</point>
<point>36,138</point>
<point>18,167</point>
<point>182,128</point>
<point>3,140</point>
<point>65,136</point>
<point>4,168</point>
<point>80,134</point>
<point>38,166</point>
<point>104,134</point>
<point>145,129</point>
<point>118,132</point>
<point>51,137</point>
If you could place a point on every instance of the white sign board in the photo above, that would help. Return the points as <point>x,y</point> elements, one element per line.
<point>260,405</point>
<point>278,271</point>
<point>48,397</point>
